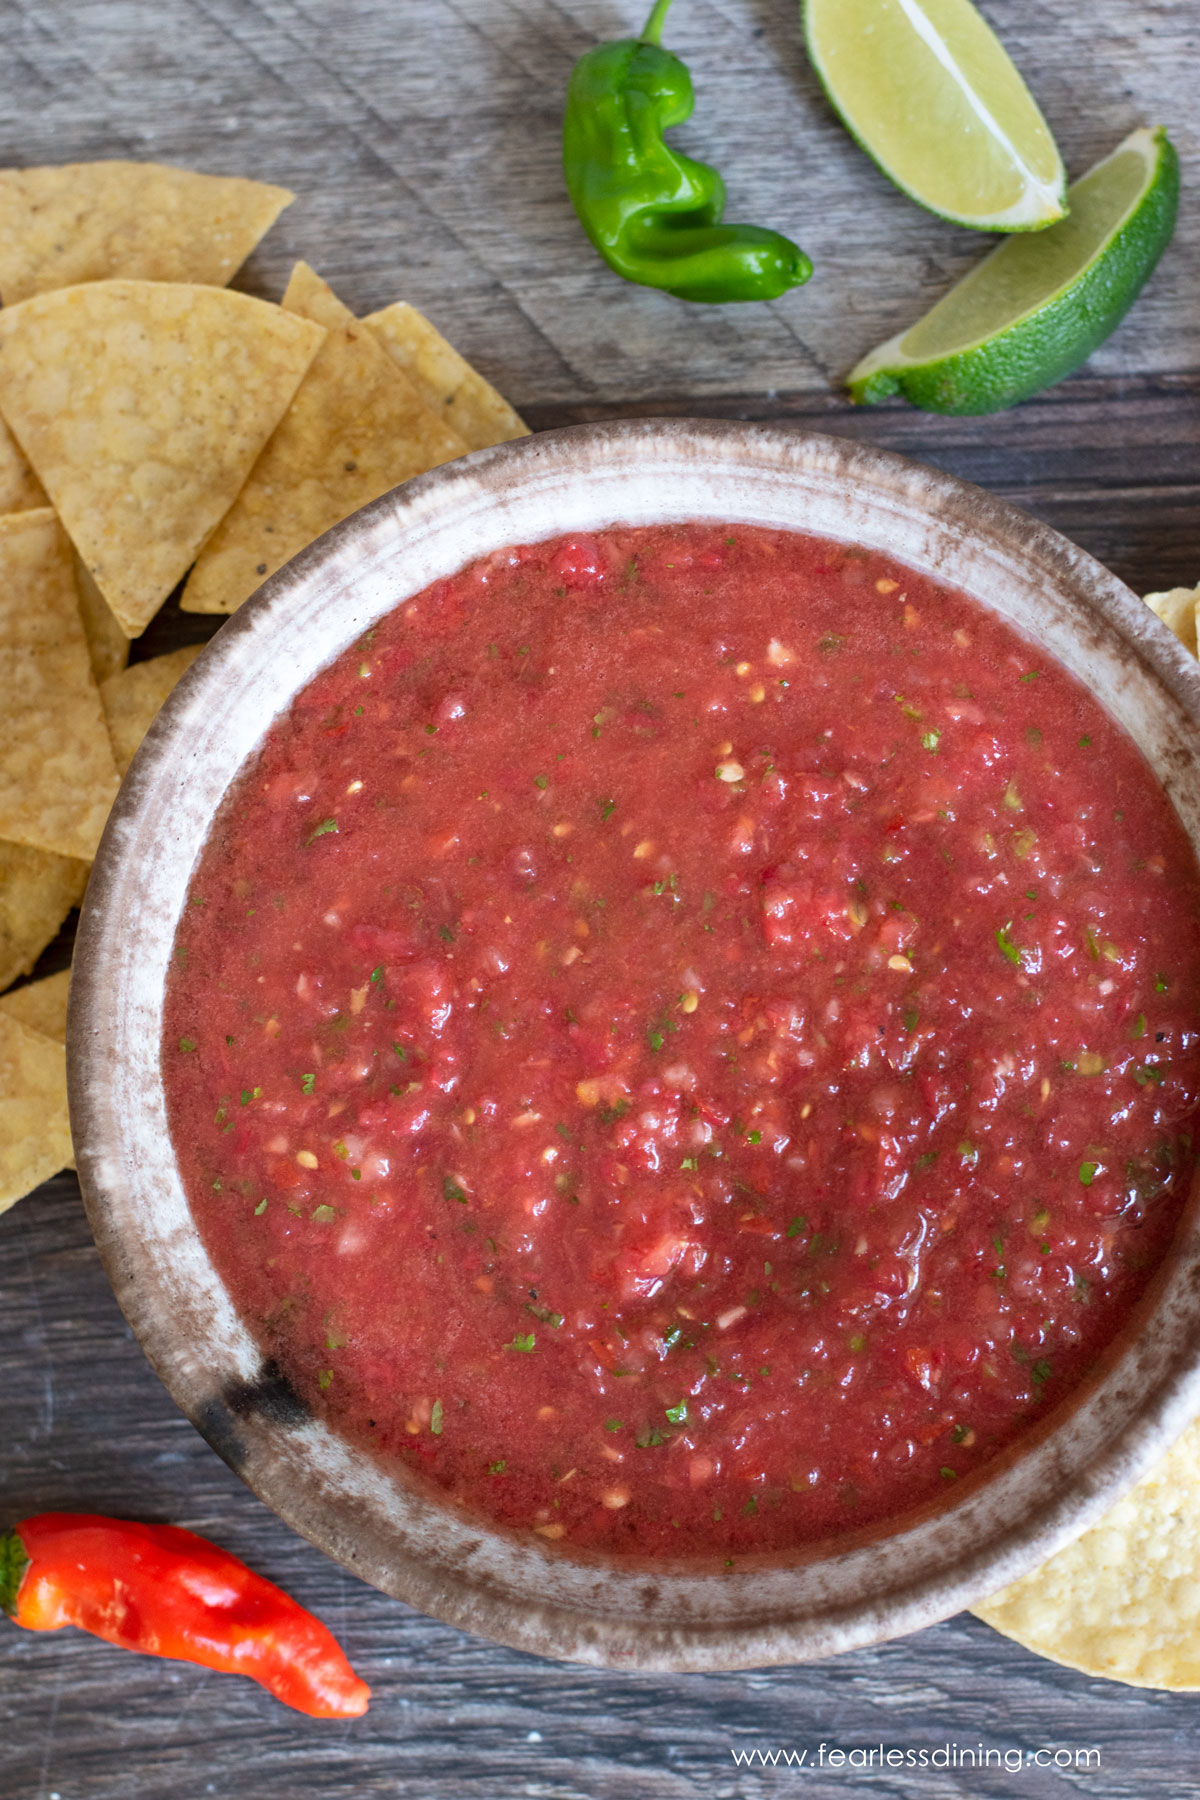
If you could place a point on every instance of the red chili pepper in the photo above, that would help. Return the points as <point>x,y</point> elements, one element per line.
<point>167,1592</point>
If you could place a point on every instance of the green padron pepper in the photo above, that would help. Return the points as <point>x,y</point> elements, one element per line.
<point>654,215</point>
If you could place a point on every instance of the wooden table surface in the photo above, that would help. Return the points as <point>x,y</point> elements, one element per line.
<point>421,139</point>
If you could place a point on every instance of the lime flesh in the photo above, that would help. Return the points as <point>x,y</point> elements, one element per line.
<point>928,90</point>
<point>1038,306</point>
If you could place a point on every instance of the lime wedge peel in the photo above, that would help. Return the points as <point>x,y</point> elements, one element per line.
<point>1037,306</point>
<point>929,92</point>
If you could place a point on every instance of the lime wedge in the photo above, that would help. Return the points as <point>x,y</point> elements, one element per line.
<point>928,90</point>
<point>1038,306</point>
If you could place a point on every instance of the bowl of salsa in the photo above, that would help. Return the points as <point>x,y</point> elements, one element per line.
<point>634,1054</point>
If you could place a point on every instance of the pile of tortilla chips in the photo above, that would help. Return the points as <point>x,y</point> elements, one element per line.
<point>153,423</point>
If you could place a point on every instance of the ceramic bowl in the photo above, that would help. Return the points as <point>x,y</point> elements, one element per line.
<point>519,1590</point>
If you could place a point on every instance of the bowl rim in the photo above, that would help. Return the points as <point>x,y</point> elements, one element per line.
<point>525,1595</point>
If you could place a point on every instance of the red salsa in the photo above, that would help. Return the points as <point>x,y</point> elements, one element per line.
<point>686,1038</point>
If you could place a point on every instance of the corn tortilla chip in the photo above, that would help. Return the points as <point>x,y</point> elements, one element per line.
<point>132,699</point>
<point>20,489</point>
<point>356,428</point>
<point>446,382</point>
<point>144,221</point>
<point>107,644</point>
<point>1178,608</point>
<point>35,1135</point>
<point>1123,1600</point>
<point>37,891</point>
<point>142,407</point>
<point>41,1005</point>
<point>57,776</point>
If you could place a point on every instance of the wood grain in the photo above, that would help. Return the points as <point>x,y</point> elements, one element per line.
<point>422,139</point>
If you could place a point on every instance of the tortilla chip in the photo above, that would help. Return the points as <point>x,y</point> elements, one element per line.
<point>356,428</point>
<point>107,644</point>
<point>93,221</point>
<point>41,1005</point>
<point>35,1134</point>
<point>20,489</point>
<point>1178,609</point>
<point>142,408</point>
<point>57,776</point>
<point>1122,1601</point>
<point>37,891</point>
<point>132,699</point>
<point>446,382</point>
